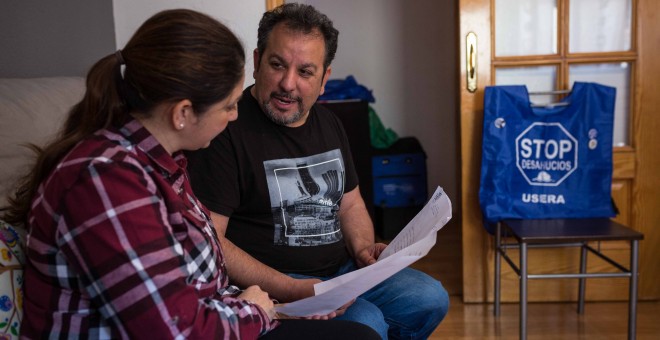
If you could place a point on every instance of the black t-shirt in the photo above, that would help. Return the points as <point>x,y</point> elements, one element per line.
<point>280,186</point>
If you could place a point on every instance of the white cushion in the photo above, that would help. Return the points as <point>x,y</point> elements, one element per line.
<point>31,111</point>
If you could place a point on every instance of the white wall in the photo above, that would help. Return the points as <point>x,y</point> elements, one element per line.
<point>406,52</point>
<point>54,38</point>
<point>242,17</point>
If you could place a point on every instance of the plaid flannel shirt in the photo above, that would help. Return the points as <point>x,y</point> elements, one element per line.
<point>119,247</point>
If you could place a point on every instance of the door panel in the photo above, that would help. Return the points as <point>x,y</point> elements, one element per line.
<point>618,53</point>
<point>534,30</point>
<point>617,75</point>
<point>600,26</point>
<point>477,275</point>
<point>646,139</point>
<point>622,199</point>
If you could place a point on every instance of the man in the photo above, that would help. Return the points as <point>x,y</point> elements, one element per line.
<point>283,191</point>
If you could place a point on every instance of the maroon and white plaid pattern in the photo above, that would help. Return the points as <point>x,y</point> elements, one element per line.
<point>119,247</point>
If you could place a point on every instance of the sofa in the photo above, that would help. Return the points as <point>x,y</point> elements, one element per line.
<point>31,111</point>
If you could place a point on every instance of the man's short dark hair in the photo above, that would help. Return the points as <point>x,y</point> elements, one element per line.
<point>302,18</point>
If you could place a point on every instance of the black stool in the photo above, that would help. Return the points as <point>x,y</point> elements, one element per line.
<point>565,233</point>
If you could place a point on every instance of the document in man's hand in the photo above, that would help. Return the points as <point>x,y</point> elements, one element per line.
<point>411,244</point>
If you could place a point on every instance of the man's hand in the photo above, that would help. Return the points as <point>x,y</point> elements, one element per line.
<point>340,311</point>
<point>369,255</point>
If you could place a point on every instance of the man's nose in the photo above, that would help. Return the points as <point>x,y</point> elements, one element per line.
<point>288,81</point>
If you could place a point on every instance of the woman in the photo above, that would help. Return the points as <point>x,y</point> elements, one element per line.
<point>119,247</point>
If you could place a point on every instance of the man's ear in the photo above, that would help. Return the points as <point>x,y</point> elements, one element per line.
<point>181,114</point>
<point>325,78</point>
<point>255,58</point>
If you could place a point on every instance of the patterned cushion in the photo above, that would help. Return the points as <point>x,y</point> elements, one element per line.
<point>12,258</point>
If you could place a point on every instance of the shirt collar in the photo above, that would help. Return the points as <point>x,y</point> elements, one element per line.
<point>139,136</point>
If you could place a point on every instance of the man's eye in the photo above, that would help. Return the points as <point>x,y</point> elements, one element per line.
<point>276,65</point>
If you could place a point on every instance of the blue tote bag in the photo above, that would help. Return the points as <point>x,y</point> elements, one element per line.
<point>547,162</point>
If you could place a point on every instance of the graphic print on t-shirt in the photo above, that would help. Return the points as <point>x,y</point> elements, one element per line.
<point>304,196</point>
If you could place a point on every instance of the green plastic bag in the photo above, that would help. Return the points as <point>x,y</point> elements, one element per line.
<point>381,137</point>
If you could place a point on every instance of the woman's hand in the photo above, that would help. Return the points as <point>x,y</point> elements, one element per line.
<point>255,295</point>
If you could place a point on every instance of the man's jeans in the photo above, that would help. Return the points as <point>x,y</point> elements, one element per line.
<point>408,305</point>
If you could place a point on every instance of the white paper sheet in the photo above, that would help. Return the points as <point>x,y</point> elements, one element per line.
<point>411,244</point>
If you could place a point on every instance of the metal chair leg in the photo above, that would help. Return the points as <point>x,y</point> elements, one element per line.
<point>632,303</point>
<point>582,280</point>
<point>497,270</point>
<point>523,291</point>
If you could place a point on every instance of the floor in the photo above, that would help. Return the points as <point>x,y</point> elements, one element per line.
<point>601,320</point>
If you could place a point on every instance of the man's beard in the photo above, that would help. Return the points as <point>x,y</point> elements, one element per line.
<point>280,119</point>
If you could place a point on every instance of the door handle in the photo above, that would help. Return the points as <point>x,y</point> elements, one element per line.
<point>471,61</point>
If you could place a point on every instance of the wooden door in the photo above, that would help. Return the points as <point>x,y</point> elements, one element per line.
<point>270,4</point>
<point>617,46</point>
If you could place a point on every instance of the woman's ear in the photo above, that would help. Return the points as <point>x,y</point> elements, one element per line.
<point>182,114</point>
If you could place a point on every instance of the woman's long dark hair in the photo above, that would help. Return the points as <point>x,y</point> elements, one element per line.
<point>174,55</point>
